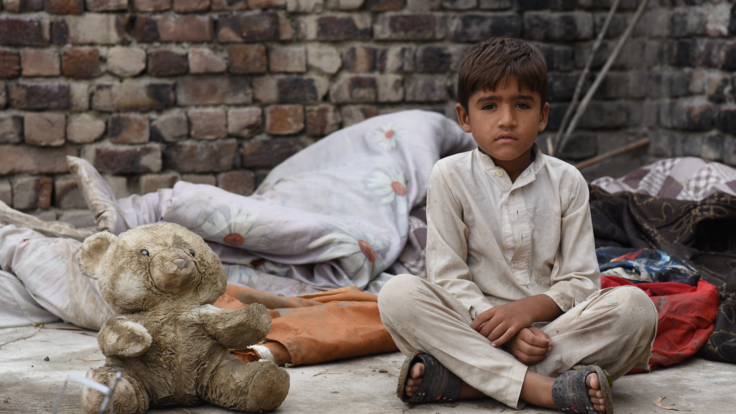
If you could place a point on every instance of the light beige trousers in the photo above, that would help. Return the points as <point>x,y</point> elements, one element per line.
<point>614,329</point>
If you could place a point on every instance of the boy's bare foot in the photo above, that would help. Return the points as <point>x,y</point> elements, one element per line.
<point>415,379</point>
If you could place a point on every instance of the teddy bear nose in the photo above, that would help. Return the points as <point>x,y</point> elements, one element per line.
<point>180,262</point>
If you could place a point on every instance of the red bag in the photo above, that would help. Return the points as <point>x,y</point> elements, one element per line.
<point>686,317</point>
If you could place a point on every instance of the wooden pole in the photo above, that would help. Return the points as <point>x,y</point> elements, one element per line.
<point>618,151</point>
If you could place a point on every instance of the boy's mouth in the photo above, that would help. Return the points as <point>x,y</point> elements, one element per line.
<point>506,137</point>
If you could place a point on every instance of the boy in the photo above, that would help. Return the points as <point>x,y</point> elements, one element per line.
<point>509,246</point>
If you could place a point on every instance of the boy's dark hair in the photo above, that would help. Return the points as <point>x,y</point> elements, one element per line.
<point>492,61</point>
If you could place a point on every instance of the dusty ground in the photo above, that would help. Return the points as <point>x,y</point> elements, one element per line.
<point>29,384</point>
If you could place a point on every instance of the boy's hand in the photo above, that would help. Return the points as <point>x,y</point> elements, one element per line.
<point>501,323</point>
<point>530,346</point>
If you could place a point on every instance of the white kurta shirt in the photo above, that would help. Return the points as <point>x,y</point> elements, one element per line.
<point>491,241</point>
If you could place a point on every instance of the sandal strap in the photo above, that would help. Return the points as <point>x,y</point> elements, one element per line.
<point>570,393</point>
<point>438,382</point>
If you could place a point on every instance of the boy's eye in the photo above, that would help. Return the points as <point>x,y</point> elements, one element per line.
<point>522,105</point>
<point>489,106</point>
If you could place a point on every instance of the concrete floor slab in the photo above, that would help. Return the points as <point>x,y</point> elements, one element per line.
<point>29,384</point>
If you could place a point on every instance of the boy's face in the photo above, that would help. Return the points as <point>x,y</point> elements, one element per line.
<point>505,122</point>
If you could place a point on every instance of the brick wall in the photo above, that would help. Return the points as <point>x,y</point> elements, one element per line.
<point>220,91</point>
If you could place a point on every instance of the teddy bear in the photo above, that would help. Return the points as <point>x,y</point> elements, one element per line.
<point>168,341</point>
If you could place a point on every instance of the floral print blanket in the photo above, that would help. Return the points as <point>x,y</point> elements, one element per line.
<point>335,214</point>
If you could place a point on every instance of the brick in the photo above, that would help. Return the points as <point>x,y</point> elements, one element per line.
<point>67,194</point>
<point>126,61</point>
<point>133,95</point>
<point>290,89</point>
<point>718,87</point>
<point>563,58</point>
<point>202,156</point>
<point>245,59</point>
<point>11,129</point>
<point>81,63</point>
<point>605,114</point>
<point>229,5</point>
<point>200,179</point>
<point>84,128</point>
<point>170,127</point>
<point>322,120</point>
<point>459,4</point>
<point>171,28</point>
<point>124,159</point>
<point>732,21</point>
<point>287,59</point>
<point>20,31</point>
<point>128,129</point>
<point>107,5</point>
<point>324,58</point>
<point>78,96</point>
<point>432,58</point>
<point>396,59</point>
<point>384,5</point>
<point>495,4</point>
<point>30,193</point>
<point>59,32</point>
<point>45,129</point>
<point>20,159</point>
<point>284,119</point>
<point>204,60</point>
<point>151,5</point>
<point>480,26</point>
<point>727,120</point>
<point>266,4</point>
<point>64,6</point>
<point>39,95</point>
<point>353,114</point>
<point>6,192</point>
<point>22,6</point>
<point>425,88</point>
<point>729,151</point>
<point>244,122</point>
<point>237,182</point>
<point>153,182</point>
<point>712,148</point>
<point>614,86</point>
<point>358,59</point>
<point>247,27</point>
<point>208,123</point>
<point>693,115</point>
<point>336,27</point>
<point>188,6</point>
<point>164,62</point>
<point>423,5</point>
<point>97,28</point>
<point>558,26</point>
<point>3,95</point>
<point>729,56</point>
<point>692,145</point>
<point>40,62</point>
<point>390,88</point>
<point>354,88</point>
<point>222,90</point>
<point>304,6</point>
<point>269,153</point>
<point>9,64</point>
<point>421,26</point>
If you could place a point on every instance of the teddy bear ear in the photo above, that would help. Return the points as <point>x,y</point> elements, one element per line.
<point>93,252</point>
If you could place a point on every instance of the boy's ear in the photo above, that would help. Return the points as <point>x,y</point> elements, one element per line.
<point>93,251</point>
<point>544,117</point>
<point>463,118</point>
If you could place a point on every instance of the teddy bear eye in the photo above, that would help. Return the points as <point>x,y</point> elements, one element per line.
<point>191,252</point>
<point>144,252</point>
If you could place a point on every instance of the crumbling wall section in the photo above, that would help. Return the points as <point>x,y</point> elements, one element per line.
<point>220,91</point>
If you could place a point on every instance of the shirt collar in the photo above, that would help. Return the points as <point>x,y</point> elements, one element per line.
<point>526,176</point>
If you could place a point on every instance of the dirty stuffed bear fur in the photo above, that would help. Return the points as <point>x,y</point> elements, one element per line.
<point>169,342</point>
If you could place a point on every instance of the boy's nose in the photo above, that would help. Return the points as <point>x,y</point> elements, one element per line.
<point>507,117</point>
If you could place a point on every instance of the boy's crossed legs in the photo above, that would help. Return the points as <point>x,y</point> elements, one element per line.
<point>613,328</point>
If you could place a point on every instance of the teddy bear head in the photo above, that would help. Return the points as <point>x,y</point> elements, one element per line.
<point>153,266</point>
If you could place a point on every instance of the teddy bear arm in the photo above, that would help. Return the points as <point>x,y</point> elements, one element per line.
<point>237,329</point>
<point>121,337</point>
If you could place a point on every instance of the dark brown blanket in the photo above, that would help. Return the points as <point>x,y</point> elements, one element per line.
<point>701,232</point>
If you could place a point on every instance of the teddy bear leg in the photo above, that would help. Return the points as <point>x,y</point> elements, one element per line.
<point>254,387</point>
<point>130,396</point>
